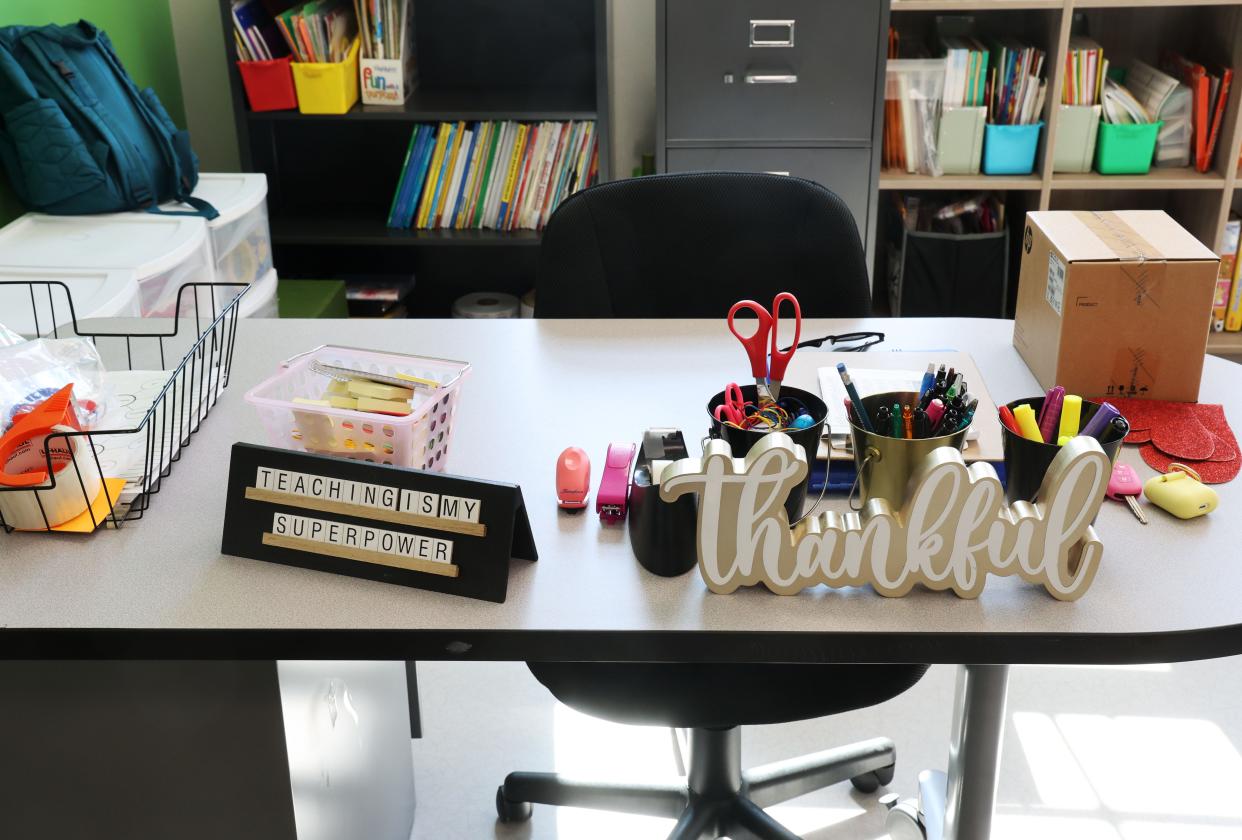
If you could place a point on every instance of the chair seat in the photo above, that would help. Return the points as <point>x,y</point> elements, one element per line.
<point>707,696</point>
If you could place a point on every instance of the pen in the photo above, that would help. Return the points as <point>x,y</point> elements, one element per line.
<point>884,417</point>
<point>1025,417</point>
<point>968,415</point>
<point>1071,414</point>
<point>859,409</point>
<point>1006,418</point>
<point>940,375</point>
<point>1050,413</point>
<point>1119,426</point>
<point>907,422</point>
<point>935,411</point>
<point>896,421</point>
<point>929,379</point>
<point>922,427</point>
<point>1099,421</point>
<point>948,422</point>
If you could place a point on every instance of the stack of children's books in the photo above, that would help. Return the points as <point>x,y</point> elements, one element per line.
<point>499,175</point>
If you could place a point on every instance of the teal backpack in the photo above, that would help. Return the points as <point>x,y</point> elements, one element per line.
<point>76,134</point>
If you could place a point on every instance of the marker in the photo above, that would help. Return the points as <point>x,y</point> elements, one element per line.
<point>859,409</point>
<point>1063,439</point>
<point>922,426</point>
<point>1025,417</point>
<point>1006,418</point>
<point>935,411</point>
<point>955,388</point>
<point>907,422</point>
<point>1050,413</point>
<point>968,416</point>
<point>1100,421</point>
<point>1071,415</point>
<point>1120,427</point>
<point>897,430</point>
<point>884,417</point>
<point>929,379</point>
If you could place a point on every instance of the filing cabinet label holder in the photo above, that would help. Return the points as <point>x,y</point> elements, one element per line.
<point>953,530</point>
<point>411,527</point>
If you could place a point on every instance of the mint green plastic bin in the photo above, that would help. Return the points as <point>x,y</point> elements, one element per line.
<point>1126,148</point>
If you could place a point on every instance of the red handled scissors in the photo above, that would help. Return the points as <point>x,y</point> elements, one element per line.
<point>733,409</point>
<point>768,374</point>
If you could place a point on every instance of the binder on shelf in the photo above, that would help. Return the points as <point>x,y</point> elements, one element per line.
<point>960,141</point>
<point>327,88</point>
<point>1077,126</point>
<point>388,79</point>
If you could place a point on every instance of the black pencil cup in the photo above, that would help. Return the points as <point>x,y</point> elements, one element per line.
<point>1026,461</point>
<point>741,440</point>
<point>662,534</point>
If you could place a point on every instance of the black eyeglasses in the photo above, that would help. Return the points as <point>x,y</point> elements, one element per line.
<point>859,342</point>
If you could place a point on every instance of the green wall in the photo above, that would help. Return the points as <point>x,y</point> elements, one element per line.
<point>141,31</point>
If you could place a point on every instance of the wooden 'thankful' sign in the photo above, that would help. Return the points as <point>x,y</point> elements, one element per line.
<point>411,527</point>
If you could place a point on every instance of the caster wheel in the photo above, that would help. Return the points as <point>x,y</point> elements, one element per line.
<point>507,811</point>
<point>871,782</point>
<point>903,821</point>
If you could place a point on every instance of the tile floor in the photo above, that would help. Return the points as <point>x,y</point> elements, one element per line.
<point>1136,753</point>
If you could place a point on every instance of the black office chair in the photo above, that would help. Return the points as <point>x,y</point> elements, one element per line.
<point>691,245</point>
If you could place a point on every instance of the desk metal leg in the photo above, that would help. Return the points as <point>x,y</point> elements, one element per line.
<point>958,805</point>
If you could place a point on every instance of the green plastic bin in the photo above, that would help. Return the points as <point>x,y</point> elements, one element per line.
<point>1126,149</point>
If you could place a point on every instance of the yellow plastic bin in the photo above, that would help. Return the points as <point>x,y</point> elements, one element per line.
<point>327,88</point>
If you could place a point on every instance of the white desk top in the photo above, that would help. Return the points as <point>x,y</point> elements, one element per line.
<point>1166,591</point>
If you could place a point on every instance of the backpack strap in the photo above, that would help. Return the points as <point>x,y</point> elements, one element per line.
<point>201,208</point>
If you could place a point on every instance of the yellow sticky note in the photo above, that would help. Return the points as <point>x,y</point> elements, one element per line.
<point>343,402</point>
<point>395,407</point>
<point>378,391</point>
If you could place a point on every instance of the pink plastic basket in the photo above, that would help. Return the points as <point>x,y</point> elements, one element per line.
<point>420,439</point>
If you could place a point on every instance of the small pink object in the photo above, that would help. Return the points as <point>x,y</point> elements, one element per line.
<point>935,410</point>
<point>573,478</point>
<point>614,485</point>
<point>1124,482</point>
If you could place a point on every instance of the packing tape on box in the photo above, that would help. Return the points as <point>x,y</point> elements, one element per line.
<point>486,305</point>
<point>23,463</point>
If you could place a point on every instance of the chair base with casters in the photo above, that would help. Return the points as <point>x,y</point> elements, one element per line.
<point>717,797</point>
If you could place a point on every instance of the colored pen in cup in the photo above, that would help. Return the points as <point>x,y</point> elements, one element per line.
<point>1071,416</point>
<point>907,422</point>
<point>929,379</point>
<point>935,411</point>
<point>1100,421</point>
<point>1007,419</point>
<point>896,429</point>
<point>859,409</point>
<point>922,426</point>
<point>884,417</point>
<point>968,415</point>
<point>1050,414</point>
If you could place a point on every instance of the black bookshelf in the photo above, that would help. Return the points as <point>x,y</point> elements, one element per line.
<point>331,177</point>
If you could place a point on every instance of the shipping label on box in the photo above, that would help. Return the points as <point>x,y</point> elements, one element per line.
<point>1114,304</point>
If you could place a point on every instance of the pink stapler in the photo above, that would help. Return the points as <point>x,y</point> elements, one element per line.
<point>573,479</point>
<point>614,486</point>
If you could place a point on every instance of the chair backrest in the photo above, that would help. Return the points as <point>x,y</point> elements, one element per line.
<point>690,245</point>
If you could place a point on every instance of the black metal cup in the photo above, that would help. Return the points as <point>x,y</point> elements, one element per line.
<point>1026,461</point>
<point>741,440</point>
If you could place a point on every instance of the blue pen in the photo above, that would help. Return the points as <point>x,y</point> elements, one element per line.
<point>929,379</point>
<point>852,392</point>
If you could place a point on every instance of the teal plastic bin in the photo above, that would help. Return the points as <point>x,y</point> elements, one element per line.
<point>1010,149</point>
<point>1126,148</point>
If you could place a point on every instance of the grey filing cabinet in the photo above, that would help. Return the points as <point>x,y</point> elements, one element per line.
<point>788,86</point>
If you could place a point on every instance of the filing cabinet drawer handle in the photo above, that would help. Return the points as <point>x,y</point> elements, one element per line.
<point>772,33</point>
<point>771,78</point>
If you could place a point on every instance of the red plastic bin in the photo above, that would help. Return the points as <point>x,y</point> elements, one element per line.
<point>269,84</point>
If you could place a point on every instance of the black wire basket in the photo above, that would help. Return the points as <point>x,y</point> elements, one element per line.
<point>141,439</point>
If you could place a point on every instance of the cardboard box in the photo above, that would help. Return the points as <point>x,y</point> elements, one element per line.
<point>1114,303</point>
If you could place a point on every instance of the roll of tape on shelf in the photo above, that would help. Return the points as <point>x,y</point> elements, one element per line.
<point>486,305</point>
<point>23,464</point>
<point>528,304</point>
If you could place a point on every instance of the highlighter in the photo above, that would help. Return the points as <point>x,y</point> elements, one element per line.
<point>1071,416</point>
<point>1006,417</point>
<point>1101,420</point>
<point>1025,417</point>
<point>1050,413</point>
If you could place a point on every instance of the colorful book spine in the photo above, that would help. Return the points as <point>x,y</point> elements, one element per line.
<point>1224,277</point>
<point>424,204</point>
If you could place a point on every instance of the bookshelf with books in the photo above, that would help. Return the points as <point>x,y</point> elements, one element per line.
<point>482,67</point>
<point>1127,32</point>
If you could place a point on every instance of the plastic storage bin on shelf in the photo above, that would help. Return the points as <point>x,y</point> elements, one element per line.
<point>1010,149</point>
<point>325,88</point>
<point>1126,149</point>
<point>163,252</point>
<point>41,310</point>
<point>1077,127</point>
<point>420,439</point>
<point>269,84</point>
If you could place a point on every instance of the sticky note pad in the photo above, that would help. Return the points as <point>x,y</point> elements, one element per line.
<point>378,391</point>
<point>394,407</point>
<point>343,402</point>
<point>305,401</point>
